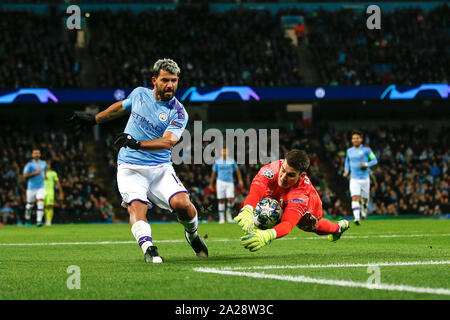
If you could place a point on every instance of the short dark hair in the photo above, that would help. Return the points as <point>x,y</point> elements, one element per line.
<point>298,159</point>
<point>359,133</point>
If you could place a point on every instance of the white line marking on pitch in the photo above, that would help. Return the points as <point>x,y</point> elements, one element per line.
<point>332,282</point>
<point>221,240</point>
<point>373,236</point>
<point>350,265</point>
<point>80,243</point>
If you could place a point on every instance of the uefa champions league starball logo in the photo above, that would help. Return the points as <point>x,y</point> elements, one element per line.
<point>320,93</point>
<point>267,213</point>
<point>119,94</point>
<point>268,174</point>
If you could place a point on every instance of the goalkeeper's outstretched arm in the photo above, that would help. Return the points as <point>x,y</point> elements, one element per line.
<point>257,190</point>
<point>291,217</point>
<point>167,141</point>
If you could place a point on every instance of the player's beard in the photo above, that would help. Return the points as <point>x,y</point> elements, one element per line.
<point>162,94</point>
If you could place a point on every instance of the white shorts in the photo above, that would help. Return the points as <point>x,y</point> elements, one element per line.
<point>360,187</point>
<point>36,194</point>
<point>224,189</point>
<point>149,184</point>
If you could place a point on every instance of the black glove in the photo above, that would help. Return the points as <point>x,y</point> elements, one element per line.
<point>126,140</point>
<point>80,119</point>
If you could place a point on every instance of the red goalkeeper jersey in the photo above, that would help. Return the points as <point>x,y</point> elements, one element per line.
<point>296,201</point>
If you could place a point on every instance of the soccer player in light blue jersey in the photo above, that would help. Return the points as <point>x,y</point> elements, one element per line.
<point>223,169</point>
<point>358,161</point>
<point>34,172</point>
<point>145,175</point>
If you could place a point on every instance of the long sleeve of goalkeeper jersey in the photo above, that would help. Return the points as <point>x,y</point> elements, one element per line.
<point>291,216</point>
<point>257,191</point>
<point>258,187</point>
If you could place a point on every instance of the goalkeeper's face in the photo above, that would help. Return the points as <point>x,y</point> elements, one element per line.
<point>288,176</point>
<point>166,84</point>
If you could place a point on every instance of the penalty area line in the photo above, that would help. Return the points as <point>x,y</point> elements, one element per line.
<point>372,236</point>
<point>331,282</point>
<point>348,265</point>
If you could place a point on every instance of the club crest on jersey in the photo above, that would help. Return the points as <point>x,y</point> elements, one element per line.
<point>163,117</point>
<point>268,173</point>
<point>125,196</point>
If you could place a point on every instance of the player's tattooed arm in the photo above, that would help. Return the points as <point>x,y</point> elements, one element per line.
<point>167,141</point>
<point>114,111</point>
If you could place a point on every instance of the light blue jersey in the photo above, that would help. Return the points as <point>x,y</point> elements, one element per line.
<point>354,157</point>
<point>149,120</point>
<point>35,182</point>
<point>224,169</point>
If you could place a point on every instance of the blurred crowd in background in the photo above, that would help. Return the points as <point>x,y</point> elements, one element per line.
<point>411,176</point>
<point>412,47</point>
<point>84,200</point>
<point>33,54</point>
<point>238,47</point>
<point>213,49</point>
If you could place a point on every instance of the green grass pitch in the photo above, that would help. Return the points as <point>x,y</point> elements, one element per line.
<point>34,263</point>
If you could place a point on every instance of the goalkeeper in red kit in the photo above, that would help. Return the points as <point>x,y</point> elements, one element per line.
<point>286,181</point>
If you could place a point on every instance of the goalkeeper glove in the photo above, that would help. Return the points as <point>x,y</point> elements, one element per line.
<point>126,140</point>
<point>245,219</point>
<point>80,119</point>
<point>258,239</point>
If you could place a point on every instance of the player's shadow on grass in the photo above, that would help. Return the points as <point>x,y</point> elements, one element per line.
<point>226,260</point>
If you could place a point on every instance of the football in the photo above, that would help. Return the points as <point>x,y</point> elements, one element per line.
<point>267,213</point>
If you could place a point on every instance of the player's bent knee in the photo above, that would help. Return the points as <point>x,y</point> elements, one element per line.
<point>179,200</point>
<point>181,205</point>
<point>137,208</point>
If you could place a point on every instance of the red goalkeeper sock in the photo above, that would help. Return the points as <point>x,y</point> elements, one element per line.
<point>325,226</point>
